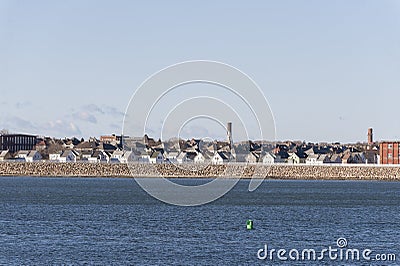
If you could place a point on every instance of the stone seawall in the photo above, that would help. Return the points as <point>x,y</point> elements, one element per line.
<point>337,172</point>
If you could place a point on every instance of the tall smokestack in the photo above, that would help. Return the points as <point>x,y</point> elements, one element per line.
<point>229,133</point>
<point>370,136</point>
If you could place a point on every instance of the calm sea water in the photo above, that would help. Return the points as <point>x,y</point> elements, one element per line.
<point>112,221</point>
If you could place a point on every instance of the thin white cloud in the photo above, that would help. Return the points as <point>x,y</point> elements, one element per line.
<point>17,124</point>
<point>60,128</point>
<point>85,121</point>
<point>112,111</point>
<point>85,116</point>
<point>92,108</point>
<point>103,110</point>
<point>56,128</point>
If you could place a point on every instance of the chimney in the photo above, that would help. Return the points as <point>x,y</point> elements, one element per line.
<point>229,133</point>
<point>370,136</point>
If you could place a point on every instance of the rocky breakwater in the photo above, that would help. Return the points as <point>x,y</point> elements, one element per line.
<point>78,169</point>
<point>63,169</point>
<point>335,172</point>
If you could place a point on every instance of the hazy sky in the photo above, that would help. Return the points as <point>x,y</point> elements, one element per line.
<point>329,69</point>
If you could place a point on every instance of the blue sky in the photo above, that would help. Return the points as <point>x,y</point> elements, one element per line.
<point>329,69</point>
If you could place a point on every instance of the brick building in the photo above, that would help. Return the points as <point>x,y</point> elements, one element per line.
<point>17,142</point>
<point>108,139</point>
<point>389,152</point>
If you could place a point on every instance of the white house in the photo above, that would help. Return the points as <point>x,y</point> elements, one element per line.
<point>99,156</point>
<point>172,156</point>
<point>4,155</point>
<point>22,154</point>
<point>181,158</point>
<point>68,156</point>
<point>128,156</point>
<point>221,157</point>
<point>271,158</point>
<point>157,157</point>
<point>199,158</point>
<point>29,156</point>
<point>116,156</point>
<point>55,157</point>
<point>86,155</point>
<point>252,157</point>
<point>297,158</point>
<point>144,157</point>
<point>312,159</point>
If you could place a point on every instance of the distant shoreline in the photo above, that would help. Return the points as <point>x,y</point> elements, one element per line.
<point>281,171</point>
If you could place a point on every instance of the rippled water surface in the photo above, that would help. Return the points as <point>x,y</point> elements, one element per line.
<point>112,221</point>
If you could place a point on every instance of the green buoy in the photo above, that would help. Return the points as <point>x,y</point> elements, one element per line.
<point>249,225</point>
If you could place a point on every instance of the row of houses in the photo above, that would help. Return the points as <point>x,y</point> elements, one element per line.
<point>22,155</point>
<point>113,149</point>
<point>160,156</point>
<point>67,156</point>
<point>122,149</point>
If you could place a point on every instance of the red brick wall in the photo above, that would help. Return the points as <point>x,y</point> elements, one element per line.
<point>389,152</point>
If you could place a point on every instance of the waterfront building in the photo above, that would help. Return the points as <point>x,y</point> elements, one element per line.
<point>17,142</point>
<point>181,158</point>
<point>221,157</point>
<point>68,156</point>
<point>172,156</point>
<point>5,155</point>
<point>116,156</point>
<point>389,152</point>
<point>119,156</point>
<point>99,156</point>
<point>312,159</point>
<point>109,139</point>
<point>157,156</point>
<point>129,156</point>
<point>29,156</point>
<point>271,158</point>
<point>55,157</point>
<point>297,158</point>
<point>199,158</point>
<point>252,157</point>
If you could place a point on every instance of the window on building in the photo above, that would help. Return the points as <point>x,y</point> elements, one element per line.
<point>390,156</point>
<point>390,146</point>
